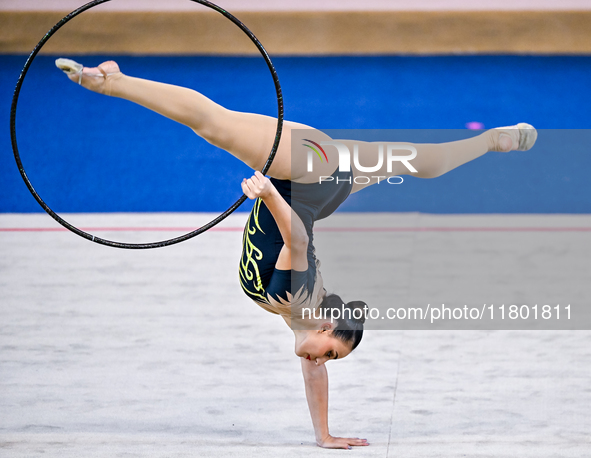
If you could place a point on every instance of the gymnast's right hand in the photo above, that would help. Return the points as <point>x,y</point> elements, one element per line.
<point>257,186</point>
<point>96,79</point>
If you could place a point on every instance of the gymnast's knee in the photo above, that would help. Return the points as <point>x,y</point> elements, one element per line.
<point>431,169</point>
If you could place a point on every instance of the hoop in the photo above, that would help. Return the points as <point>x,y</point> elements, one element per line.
<point>181,238</point>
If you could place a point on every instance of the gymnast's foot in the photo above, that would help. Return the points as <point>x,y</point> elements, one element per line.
<point>96,79</point>
<point>504,139</point>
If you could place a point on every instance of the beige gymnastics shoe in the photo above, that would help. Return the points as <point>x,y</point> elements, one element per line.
<point>96,79</point>
<point>520,137</point>
<point>70,68</point>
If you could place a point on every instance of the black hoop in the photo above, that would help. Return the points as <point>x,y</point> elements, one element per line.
<point>189,235</point>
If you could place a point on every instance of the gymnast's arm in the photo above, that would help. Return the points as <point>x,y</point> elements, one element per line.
<point>316,381</point>
<point>293,255</point>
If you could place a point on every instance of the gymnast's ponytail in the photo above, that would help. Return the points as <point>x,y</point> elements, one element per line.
<point>349,327</point>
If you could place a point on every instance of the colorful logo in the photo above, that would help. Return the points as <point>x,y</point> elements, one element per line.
<point>315,150</point>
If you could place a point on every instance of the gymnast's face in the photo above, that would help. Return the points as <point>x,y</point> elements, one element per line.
<point>320,346</point>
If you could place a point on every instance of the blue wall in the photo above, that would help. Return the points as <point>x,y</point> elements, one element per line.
<point>89,153</point>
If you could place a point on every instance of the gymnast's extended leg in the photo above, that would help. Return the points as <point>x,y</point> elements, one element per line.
<point>247,136</point>
<point>435,159</point>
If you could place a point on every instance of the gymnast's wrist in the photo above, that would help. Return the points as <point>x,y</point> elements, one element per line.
<point>321,435</point>
<point>270,193</point>
<point>115,85</point>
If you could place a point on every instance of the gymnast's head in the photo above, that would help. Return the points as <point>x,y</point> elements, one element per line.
<point>338,331</point>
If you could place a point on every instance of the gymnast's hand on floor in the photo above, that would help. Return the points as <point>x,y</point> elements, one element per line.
<point>257,186</point>
<point>341,442</point>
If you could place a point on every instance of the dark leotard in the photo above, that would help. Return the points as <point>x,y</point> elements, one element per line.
<point>262,241</point>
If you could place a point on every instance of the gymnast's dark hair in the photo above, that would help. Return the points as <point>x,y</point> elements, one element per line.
<point>349,329</point>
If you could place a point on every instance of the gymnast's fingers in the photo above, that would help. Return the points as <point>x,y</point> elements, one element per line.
<point>259,184</point>
<point>357,442</point>
<point>246,190</point>
<point>255,180</point>
<point>256,186</point>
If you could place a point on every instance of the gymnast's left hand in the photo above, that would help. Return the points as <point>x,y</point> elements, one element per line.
<point>341,442</point>
<point>257,186</point>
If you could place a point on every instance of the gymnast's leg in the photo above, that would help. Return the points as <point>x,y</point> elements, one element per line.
<point>247,136</point>
<point>435,159</point>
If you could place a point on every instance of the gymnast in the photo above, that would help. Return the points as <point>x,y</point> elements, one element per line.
<point>278,268</point>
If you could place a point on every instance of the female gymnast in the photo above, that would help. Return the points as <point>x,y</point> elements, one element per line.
<point>278,267</point>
